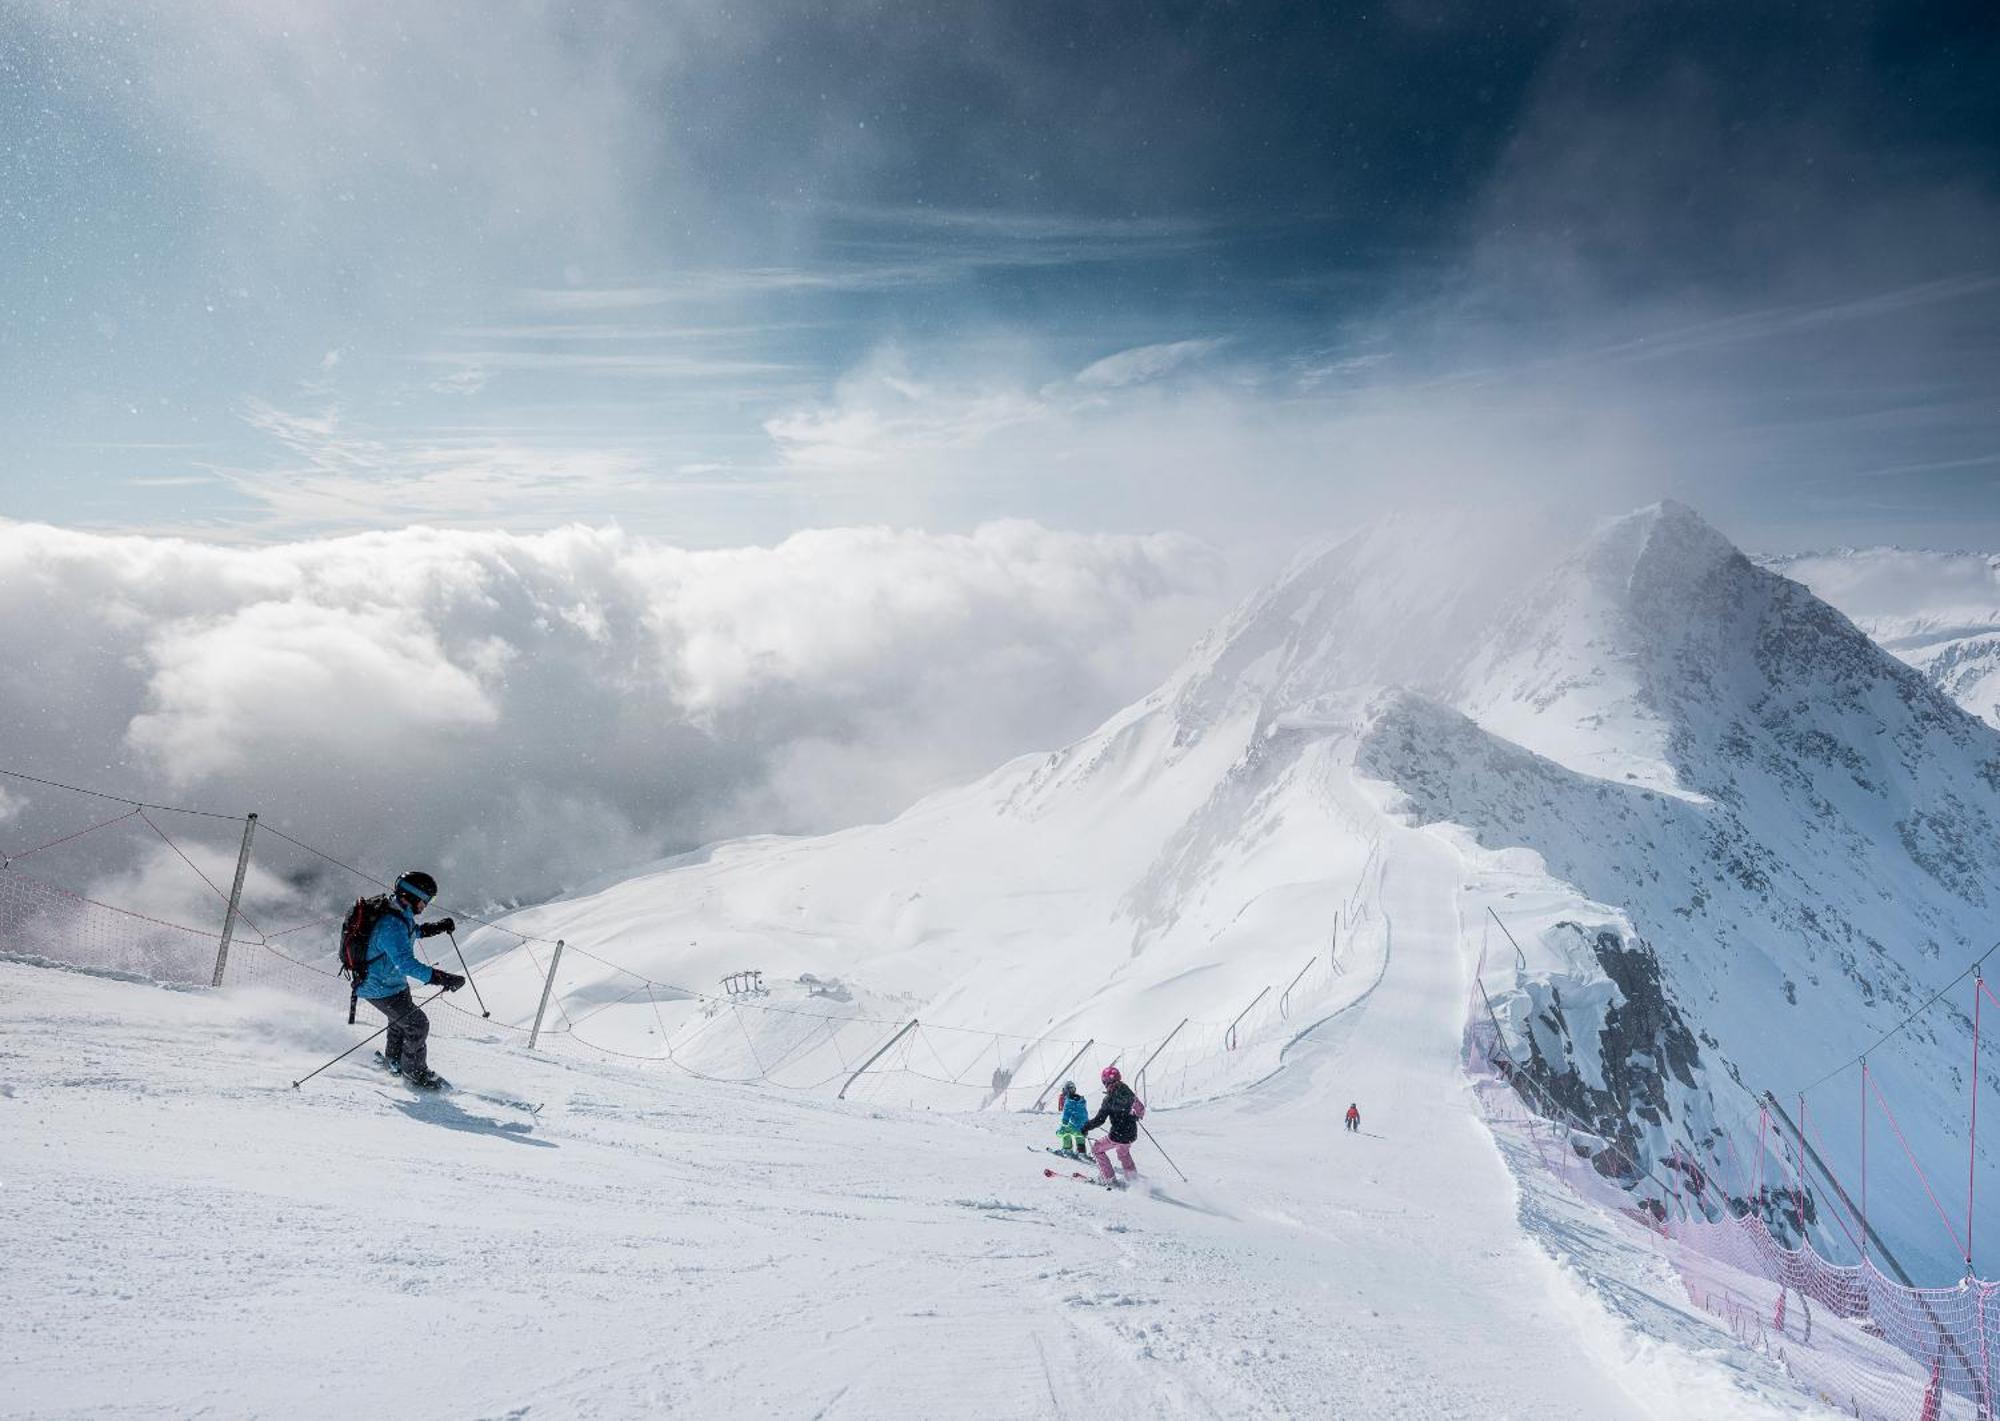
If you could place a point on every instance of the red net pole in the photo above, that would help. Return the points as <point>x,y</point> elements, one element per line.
<point>1864,1162</point>
<point>1972,1153</point>
<point>1922,1178</point>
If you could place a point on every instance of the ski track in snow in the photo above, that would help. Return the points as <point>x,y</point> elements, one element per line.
<point>181,1233</point>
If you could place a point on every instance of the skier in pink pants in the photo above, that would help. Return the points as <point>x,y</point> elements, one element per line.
<point>1121,1109</point>
<point>1103,1150</point>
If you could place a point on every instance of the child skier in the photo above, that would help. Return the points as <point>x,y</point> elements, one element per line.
<point>1074,1112</point>
<point>1122,1109</point>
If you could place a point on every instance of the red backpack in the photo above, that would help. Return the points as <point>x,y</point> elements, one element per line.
<point>355,931</point>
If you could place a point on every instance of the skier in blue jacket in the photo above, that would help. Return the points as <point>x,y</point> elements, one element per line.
<point>1074,1112</point>
<point>392,963</point>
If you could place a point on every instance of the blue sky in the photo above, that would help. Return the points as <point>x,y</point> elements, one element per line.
<point>280,270</point>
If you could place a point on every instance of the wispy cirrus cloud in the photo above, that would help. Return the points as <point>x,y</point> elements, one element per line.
<point>637,365</point>
<point>614,331</point>
<point>883,248</point>
<point>717,284</point>
<point>884,414</point>
<point>466,377</point>
<point>333,475</point>
<point>1015,225</point>
<point>881,415</point>
<point>1146,362</point>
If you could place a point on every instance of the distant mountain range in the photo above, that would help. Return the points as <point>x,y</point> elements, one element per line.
<point>1940,612</point>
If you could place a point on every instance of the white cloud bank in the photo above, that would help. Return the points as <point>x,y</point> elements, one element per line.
<point>523,712</point>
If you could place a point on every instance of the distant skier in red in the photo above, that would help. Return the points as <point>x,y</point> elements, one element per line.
<point>1353,1118</point>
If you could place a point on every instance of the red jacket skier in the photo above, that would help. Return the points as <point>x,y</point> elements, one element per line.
<point>1353,1117</point>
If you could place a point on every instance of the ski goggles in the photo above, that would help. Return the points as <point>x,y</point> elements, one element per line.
<point>404,886</point>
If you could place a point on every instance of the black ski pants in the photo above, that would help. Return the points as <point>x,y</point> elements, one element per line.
<point>409,1030</point>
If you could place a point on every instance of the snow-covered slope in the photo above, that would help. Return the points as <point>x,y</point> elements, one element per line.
<point>183,1234</point>
<point>1940,612</point>
<point>1755,840</point>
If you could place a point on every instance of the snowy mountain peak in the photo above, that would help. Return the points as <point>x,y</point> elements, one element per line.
<point>1394,603</point>
<point>1736,836</point>
<point>1566,648</point>
<point>1664,546</point>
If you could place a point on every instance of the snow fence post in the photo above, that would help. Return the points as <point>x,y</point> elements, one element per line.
<point>1140,1074</point>
<point>903,1031</point>
<point>1285,1001</point>
<point>235,900</point>
<point>1520,957</point>
<point>1229,1036</point>
<point>547,987</point>
<point>1061,1073</point>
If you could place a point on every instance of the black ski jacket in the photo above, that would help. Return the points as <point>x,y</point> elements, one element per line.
<point>1117,1108</point>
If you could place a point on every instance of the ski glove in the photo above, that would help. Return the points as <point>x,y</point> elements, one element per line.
<point>450,981</point>
<point>442,925</point>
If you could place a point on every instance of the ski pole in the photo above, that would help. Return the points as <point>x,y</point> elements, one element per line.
<point>1164,1155</point>
<point>468,974</point>
<point>359,1044</point>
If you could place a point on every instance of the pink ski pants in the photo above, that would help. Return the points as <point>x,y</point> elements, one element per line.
<point>1103,1148</point>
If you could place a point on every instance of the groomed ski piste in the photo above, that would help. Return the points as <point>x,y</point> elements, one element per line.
<point>183,1233</point>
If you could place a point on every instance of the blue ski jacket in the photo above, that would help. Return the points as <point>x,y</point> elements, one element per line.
<point>392,956</point>
<point>1075,1112</point>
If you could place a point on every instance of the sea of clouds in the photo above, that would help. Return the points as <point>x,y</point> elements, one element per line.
<point>522,713</point>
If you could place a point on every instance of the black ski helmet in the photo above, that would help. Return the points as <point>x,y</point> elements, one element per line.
<point>418,884</point>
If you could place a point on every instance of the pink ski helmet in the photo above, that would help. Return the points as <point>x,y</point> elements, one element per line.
<point>1109,1075</point>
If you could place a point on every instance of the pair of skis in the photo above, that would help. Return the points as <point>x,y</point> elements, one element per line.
<point>445,1087</point>
<point>1081,1178</point>
<point>1075,1174</point>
